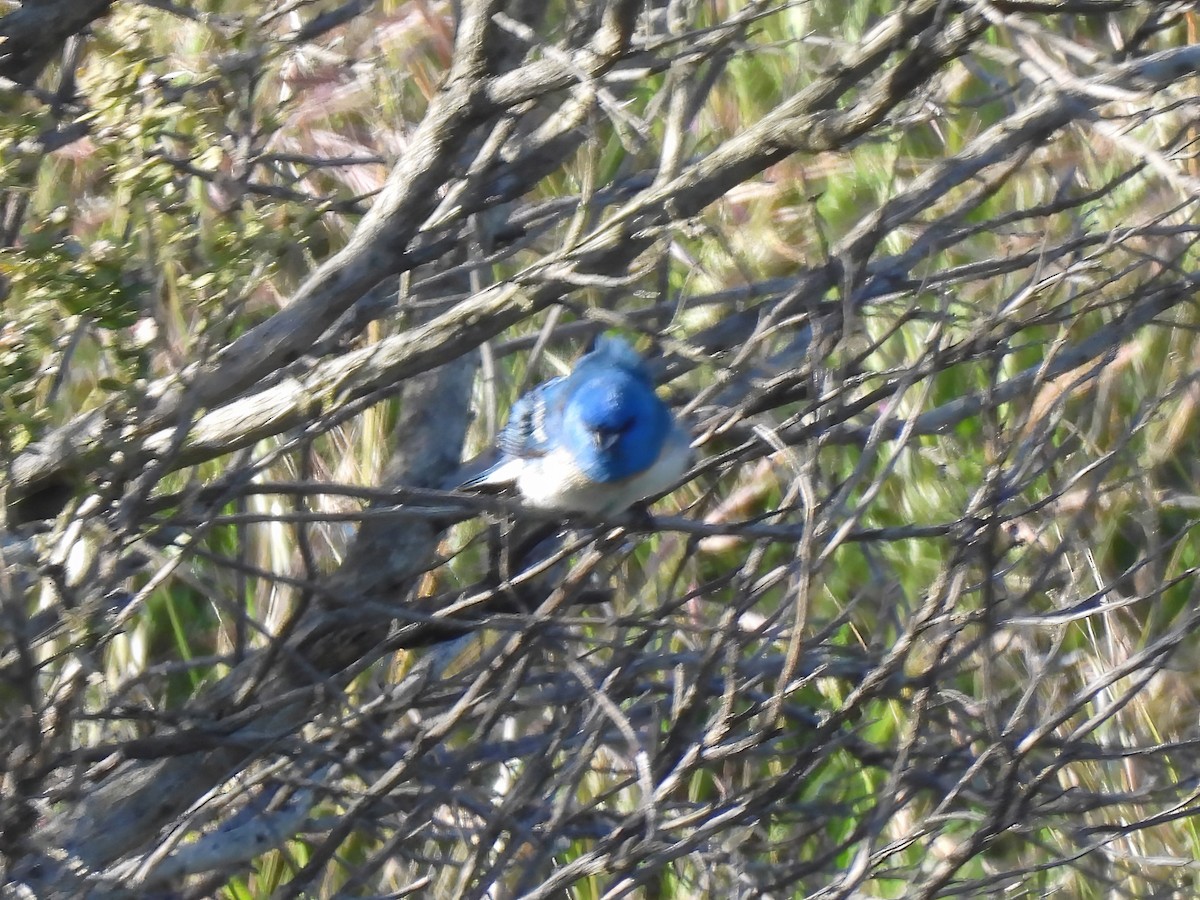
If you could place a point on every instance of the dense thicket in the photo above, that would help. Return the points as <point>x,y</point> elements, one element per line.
<point>920,277</point>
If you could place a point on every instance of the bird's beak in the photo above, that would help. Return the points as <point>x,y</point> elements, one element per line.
<point>605,440</point>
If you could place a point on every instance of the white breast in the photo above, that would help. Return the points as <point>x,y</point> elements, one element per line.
<point>555,482</point>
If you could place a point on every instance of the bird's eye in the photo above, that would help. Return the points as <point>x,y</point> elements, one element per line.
<point>606,438</point>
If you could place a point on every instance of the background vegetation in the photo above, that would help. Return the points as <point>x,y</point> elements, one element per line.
<point>921,278</point>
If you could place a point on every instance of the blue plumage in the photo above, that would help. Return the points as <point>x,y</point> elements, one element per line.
<point>595,441</point>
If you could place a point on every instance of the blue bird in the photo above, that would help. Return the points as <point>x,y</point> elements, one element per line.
<point>594,441</point>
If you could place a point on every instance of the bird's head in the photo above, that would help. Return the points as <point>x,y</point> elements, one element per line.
<point>618,424</point>
<point>607,422</point>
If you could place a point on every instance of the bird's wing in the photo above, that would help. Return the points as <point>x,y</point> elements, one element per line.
<point>500,474</point>
<point>526,436</point>
<point>533,421</point>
